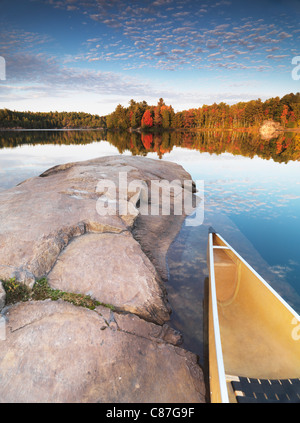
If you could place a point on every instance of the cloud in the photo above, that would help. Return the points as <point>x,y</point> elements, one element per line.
<point>12,40</point>
<point>160,53</point>
<point>40,75</point>
<point>214,54</point>
<point>93,40</point>
<point>161,34</point>
<point>212,44</point>
<point>180,25</point>
<point>283,35</point>
<point>181,30</point>
<point>272,49</point>
<point>278,56</point>
<point>178,51</point>
<point>161,2</point>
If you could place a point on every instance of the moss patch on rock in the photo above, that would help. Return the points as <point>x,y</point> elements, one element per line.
<point>19,292</point>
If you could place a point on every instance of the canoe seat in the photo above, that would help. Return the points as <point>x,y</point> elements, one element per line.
<point>264,390</point>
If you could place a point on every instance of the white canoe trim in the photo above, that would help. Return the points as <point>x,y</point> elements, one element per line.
<point>292,311</point>
<point>215,316</point>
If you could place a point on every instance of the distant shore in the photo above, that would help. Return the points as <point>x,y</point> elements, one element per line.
<point>141,131</point>
<point>53,129</point>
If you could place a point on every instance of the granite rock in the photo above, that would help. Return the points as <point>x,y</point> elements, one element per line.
<point>56,352</point>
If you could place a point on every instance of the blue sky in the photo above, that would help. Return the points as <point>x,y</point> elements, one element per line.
<point>90,55</point>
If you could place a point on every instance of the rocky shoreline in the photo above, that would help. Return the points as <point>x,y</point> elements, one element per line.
<point>54,351</point>
<point>270,129</point>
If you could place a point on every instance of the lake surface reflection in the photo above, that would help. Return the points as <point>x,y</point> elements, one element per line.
<point>252,197</point>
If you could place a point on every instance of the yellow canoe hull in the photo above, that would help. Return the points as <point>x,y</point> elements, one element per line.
<point>253,332</point>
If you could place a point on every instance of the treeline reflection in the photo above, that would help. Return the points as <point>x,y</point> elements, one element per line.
<point>284,148</point>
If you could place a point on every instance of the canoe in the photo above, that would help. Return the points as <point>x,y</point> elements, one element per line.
<point>253,334</point>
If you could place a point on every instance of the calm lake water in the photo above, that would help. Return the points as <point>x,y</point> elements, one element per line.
<point>251,196</point>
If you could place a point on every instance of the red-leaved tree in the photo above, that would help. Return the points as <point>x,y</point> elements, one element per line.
<point>147,120</point>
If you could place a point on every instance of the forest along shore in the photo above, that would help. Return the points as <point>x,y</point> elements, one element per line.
<point>251,114</point>
<point>140,130</point>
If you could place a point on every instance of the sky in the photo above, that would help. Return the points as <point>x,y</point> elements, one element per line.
<point>91,55</point>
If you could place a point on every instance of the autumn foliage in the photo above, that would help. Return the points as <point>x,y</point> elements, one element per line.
<point>285,110</point>
<point>147,120</point>
<point>147,140</point>
<point>284,148</point>
<point>249,114</point>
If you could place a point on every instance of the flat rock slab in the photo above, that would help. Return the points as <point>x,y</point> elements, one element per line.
<point>42,215</point>
<point>113,269</point>
<point>57,352</point>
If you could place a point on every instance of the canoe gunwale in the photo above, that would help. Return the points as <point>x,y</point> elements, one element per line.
<point>216,326</point>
